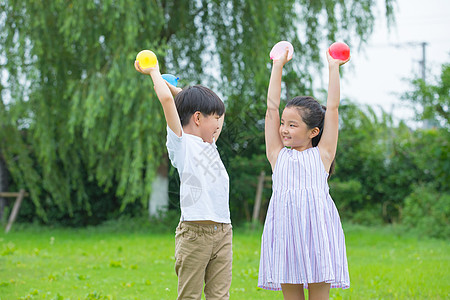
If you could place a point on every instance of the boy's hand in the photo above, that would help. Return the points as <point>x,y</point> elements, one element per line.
<point>283,59</point>
<point>333,61</point>
<point>146,71</point>
<point>173,89</point>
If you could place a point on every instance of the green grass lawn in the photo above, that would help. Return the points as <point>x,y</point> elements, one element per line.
<point>42,263</point>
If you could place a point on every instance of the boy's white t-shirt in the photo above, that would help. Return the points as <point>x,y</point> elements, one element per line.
<point>204,187</point>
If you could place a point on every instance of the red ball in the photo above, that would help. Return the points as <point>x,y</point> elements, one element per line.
<point>339,50</point>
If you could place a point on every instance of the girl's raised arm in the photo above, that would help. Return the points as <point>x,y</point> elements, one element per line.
<point>274,143</point>
<point>328,141</point>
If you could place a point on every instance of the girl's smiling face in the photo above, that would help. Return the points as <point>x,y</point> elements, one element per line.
<point>294,132</point>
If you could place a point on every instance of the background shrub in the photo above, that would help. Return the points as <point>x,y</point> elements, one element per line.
<point>427,211</point>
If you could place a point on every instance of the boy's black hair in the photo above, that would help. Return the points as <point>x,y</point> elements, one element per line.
<point>313,114</point>
<point>197,98</point>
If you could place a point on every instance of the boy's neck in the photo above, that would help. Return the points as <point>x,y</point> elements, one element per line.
<point>193,130</point>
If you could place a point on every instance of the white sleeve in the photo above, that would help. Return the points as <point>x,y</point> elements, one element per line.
<point>176,148</point>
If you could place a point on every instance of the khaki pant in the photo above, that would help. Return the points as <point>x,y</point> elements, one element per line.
<point>203,254</point>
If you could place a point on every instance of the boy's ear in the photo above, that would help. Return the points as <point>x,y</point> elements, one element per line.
<point>314,132</point>
<point>196,117</point>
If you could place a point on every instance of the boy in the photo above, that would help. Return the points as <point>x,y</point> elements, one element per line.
<point>203,240</point>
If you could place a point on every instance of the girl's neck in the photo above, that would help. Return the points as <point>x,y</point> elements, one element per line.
<point>301,148</point>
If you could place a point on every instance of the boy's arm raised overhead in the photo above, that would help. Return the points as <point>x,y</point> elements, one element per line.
<point>173,89</point>
<point>274,144</point>
<point>328,141</point>
<point>165,97</point>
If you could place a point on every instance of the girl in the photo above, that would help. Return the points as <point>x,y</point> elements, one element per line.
<point>303,245</point>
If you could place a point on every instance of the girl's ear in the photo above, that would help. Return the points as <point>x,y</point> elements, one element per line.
<point>196,117</point>
<point>314,132</point>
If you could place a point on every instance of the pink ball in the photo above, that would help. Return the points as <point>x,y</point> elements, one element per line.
<point>279,49</point>
<point>339,50</point>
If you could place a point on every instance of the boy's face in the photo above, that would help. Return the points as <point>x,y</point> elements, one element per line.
<point>209,126</point>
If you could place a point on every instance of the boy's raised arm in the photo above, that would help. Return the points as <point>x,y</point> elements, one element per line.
<point>165,97</point>
<point>173,89</point>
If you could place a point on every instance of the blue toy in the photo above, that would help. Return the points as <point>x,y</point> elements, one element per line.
<point>173,80</point>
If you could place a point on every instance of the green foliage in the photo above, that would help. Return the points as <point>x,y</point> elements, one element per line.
<point>347,196</point>
<point>368,216</point>
<point>432,101</point>
<point>430,153</point>
<point>76,118</point>
<point>105,207</point>
<point>363,153</point>
<point>379,164</point>
<point>428,211</point>
<point>427,154</point>
<point>166,222</point>
<point>80,122</point>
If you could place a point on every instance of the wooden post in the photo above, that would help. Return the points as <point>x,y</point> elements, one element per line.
<point>15,210</point>
<point>2,208</point>
<point>259,189</point>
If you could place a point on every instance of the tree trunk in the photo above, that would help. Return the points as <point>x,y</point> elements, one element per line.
<point>3,186</point>
<point>259,190</point>
<point>159,199</point>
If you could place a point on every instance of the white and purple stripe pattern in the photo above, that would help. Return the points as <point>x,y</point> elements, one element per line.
<point>303,241</point>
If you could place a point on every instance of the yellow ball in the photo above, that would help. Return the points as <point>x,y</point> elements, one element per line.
<point>146,59</point>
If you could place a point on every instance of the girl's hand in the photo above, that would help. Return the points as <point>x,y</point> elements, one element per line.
<point>283,59</point>
<point>146,71</point>
<point>333,61</point>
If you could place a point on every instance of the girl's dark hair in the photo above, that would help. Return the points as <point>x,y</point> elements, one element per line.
<point>197,98</point>
<point>313,114</point>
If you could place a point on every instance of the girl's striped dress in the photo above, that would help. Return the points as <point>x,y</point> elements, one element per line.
<point>303,241</point>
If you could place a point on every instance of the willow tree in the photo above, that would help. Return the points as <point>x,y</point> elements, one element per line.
<point>74,113</point>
